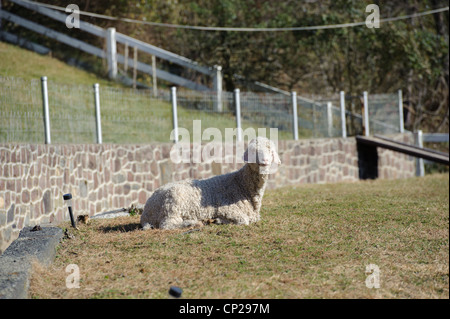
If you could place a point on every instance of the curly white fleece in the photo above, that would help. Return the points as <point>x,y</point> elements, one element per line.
<point>230,198</point>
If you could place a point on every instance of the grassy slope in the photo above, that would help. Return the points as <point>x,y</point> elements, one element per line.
<point>314,241</point>
<point>18,62</point>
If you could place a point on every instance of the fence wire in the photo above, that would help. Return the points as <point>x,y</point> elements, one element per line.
<point>72,115</point>
<point>21,115</point>
<point>317,120</point>
<point>384,114</point>
<point>267,111</point>
<point>136,116</point>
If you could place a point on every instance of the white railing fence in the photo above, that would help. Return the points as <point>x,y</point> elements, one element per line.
<point>111,38</point>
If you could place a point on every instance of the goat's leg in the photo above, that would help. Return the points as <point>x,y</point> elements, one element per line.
<point>191,223</point>
<point>178,222</point>
<point>238,220</point>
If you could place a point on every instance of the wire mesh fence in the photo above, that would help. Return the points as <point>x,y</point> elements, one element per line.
<point>72,117</point>
<point>137,116</point>
<point>202,106</point>
<point>383,113</point>
<point>21,116</point>
<point>319,119</point>
<point>334,128</point>
<point>266,111</point>
<point>133,116</point>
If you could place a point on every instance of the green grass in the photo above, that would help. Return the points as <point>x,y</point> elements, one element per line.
<point>18,62</point>
<point>313,241</point>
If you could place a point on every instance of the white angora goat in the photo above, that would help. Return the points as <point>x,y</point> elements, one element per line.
<point>230,198</point>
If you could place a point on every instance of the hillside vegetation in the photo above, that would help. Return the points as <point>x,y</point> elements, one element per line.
<point>18,62</point>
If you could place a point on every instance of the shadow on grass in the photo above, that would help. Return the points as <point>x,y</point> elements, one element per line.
<point>121,228</point>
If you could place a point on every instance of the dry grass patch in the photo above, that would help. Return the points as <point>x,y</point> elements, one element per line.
<point>314,241</point>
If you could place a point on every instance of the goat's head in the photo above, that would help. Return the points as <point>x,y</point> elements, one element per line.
<point>262,152</point>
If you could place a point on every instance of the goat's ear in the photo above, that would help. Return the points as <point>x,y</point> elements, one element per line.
<point>252,148</point>
<point>275,158</point>
<point>253,157</point>
<point>245,157</point>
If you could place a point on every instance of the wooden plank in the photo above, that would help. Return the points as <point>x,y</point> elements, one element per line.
<point>14,39</point>
<point>405,149</point>
<point>262,86</point>
<point>163,54</point>
<point>75,43</point>
<point>164,75</point>
<point>435,137</point>
<point>84,26</point>
<point>420,147</point>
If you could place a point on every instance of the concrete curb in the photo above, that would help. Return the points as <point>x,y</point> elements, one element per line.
<point>15,262</point>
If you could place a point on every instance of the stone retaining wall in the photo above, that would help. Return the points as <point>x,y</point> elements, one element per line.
<point>33,177</point>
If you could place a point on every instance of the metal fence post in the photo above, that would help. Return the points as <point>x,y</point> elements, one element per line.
<point>314,119</point>
<point>400,111</point>
<point>98,121</point>
<point>135,61</point>
<point>217,87</point>
<point>294,115</point>
<point>111,52</point>
<point>155,88</point>
<point>173,95</point>
<point>46,111</point>
<point>420,168</point>
<point>237,102</point>
<point>125,60</point>
<point>330,119</point>
<point>366,114</point>
<point>343,120</point>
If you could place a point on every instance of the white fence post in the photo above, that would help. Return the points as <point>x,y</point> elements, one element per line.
<point>155,88</point>
<point>366,114</point>
<point>173,95</point>
<point>294,115</point>
<point>111,52</point>
<point>343,121</point>
<point>400,111</point>
<point>98,121</point>
<point>46,111</point>
<point>135,61</point>
<point>420,168</point>
<point>330,119</point>
<point>217,87</point>
<point>237,102</point>
<point>125,60</point>
<point>314,119</point>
